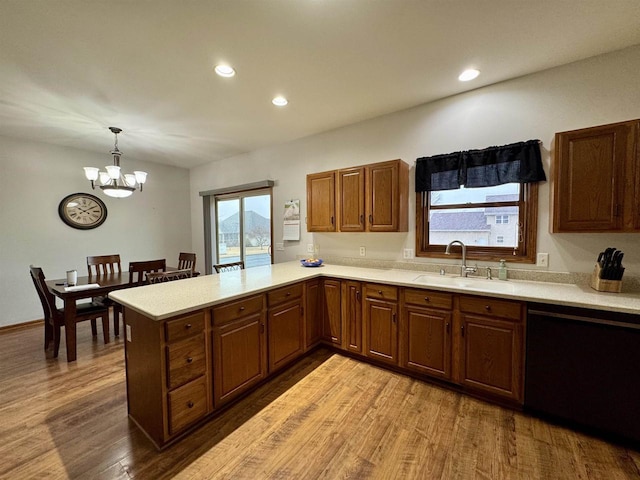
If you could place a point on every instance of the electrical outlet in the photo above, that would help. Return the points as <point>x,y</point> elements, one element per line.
<point>363,252</point>
<point>407,253</point>
<point>310,248</point>
<point>280,247</point>
<point>128,328</point>
<point>542,260</point>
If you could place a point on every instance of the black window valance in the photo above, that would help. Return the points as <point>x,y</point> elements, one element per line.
<point>514,163</point>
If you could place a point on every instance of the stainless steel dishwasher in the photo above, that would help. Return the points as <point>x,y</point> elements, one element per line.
<point>583,366</point>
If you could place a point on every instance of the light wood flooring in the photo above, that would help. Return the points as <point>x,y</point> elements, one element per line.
<point>326,417</point>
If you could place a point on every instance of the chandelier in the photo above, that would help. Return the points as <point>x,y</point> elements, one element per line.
<point>113,182</point>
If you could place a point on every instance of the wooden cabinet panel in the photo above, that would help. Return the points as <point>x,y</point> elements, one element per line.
<point>187,404</point>
<point>241,308</point>
<point>426,298</point>
<point>313,313</point>
<point>381,330</point>
<point>595,179</point>
<point>382,197</point>
<point>285,334</point>
<point>239,357</point>
<point>331,312</point>
<point>351,191</point>
<point>184,327</point>
<point>381,292</point>
<point>285,294</point>
<point>321,194</point>
<point>492,356</point>
<point>428,341</point>
<point>491,306</point>
<point>186,360</point>
<point>353,315</point>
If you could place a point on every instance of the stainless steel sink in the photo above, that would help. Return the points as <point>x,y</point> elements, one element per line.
<point>467,283</point>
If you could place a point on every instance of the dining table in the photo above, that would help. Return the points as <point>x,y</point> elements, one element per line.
<point>86,287</point>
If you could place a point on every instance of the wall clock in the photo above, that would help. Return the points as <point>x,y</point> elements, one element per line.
<point>82,211</point>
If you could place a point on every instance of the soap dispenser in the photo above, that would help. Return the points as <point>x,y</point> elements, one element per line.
<point>502,270</point>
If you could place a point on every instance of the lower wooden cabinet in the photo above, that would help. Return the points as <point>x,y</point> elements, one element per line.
<point>352,315</point>
<point>381,323</point>
<point>239,347</point>
<point>312,313</point>
<point>285,323</point>
<point>331,300</point>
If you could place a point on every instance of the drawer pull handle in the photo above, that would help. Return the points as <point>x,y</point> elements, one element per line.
<point>187,326</point>
<point>242,308</point>
<point>190,404</point>
<point>288,294</point>
<point>487,307</point>
<point>427,299</point>
<point>189,360</point>
<point>447,328</point>
<point>380,292</point>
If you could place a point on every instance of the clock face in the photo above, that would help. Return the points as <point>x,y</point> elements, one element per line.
<point>83,211</point>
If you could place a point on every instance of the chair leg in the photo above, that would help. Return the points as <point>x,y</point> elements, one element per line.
<point>48,333</point>
<point>105,327</point>
<point>94,328</point>
<point>117,312</point>
<point>56,340</point>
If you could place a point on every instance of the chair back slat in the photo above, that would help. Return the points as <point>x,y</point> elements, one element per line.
<point>228,267</point>
<point>138,270</point>
<point>103,264</point>
<point>47,299</point>
<point>161,277</point>
<point>187,260</point>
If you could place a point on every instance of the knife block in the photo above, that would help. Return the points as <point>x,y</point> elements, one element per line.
<point>601,285</point>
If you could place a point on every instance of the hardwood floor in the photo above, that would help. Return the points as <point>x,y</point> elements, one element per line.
<point>327,417</point>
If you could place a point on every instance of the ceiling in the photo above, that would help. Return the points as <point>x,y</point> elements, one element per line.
<point>71,68</point>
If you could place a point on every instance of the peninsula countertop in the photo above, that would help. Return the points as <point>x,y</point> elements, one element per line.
<point>165,300</point>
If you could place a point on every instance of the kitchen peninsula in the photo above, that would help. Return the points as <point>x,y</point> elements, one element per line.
<point>194,346</point>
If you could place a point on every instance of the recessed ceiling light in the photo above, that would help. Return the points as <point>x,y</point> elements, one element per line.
<point>225,70</point>
<point>279,101</point>
<point>468,74</point>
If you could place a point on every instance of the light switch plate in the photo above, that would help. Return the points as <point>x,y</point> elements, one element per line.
<point>310,248</point>
<point>542,260</point>
<point>280,247</point>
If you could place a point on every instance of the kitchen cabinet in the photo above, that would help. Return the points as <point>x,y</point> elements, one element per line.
<point>286,338</point>
<point>352,314</point>
<point>369,198</point>
<point>596,179</point>
<point>426,325</point>
<point>492,347</point>
<point>380,322</point>
<point>332,312</point>
<point>313,313</point>
<point>167,396</point>
<point>239,347</point>
<point>321,197</point>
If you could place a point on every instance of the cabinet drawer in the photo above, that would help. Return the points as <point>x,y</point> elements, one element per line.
<point>187,404</point>
<point>426,298</point>
<point>238,309</point>
<point>184,327</point>
<point>185,361</point>
<point>491,307</point>
<point>383,292</point>
<point>284,294</point>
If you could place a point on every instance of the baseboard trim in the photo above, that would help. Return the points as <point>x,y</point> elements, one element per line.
<point>20,326</point>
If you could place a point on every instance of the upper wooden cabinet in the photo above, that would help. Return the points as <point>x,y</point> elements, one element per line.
<point>596,179</point>
<point>369,198</point>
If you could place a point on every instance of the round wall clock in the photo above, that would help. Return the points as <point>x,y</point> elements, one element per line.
<point>82,211</point>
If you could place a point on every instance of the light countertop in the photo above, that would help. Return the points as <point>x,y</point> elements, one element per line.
<point>164,300</point>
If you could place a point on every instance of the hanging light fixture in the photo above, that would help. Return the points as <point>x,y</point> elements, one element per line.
<point>114,182</point>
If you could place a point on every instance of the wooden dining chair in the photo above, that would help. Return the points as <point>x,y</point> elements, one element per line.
<point>138,270</point>
<point>187,260</point>
<point>228,267</point>
<point>104,265</point>
<point>161,277</point>
<point>54,317</point>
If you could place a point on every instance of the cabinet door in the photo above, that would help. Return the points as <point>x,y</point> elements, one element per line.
<point>239,357</point>
<point>312,314</point>
<point>331,311</point>
<point>321,194</point>
<point>381,330</point>
<point>491,356</point>
<point>351,204</point>
<point>387,185</point>
<point>286,334</point>
<point>589,178</point>
<point>353,315</point>
<point>427,341</point>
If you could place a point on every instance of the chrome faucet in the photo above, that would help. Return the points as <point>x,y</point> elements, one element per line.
<point>464,270</point>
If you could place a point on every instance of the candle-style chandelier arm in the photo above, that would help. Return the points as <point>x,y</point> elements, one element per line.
<point>113,182</point>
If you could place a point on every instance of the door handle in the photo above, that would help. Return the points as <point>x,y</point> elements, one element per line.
<point>462,330</point>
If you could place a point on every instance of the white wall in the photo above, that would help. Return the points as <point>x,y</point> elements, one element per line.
<point>35,177</point>
<point>596,91</point>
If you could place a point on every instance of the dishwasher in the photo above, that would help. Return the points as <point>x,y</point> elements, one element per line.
<point>583,366</point>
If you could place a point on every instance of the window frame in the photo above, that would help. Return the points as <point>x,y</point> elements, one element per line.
<point>528,218</point>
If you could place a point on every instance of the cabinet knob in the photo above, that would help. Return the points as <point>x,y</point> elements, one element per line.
<point>370,218</point>
<point>379,292</point>
<point>241,308</point>
<point>288,294</point>
<point>487,307</point>
<point>189,360</point>
<point>447,327</point>
<point>361,218</point>
<point>190,404</point>
<point>187,326</point>
<point>427,299</point>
